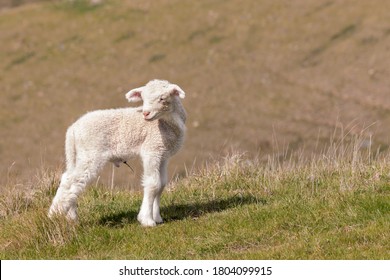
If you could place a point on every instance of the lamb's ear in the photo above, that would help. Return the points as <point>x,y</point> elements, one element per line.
<point>134,95</point>
<point>176,90</point>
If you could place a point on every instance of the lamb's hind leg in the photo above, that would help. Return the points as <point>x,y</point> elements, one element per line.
<point>57,205</point>
<point>65,200</point>
<point>71,186</point>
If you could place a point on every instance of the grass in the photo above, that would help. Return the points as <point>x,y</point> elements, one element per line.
<point>241,65</point>
<point>332,207</point>
<point>77,6</point>
<point>339,36</point>
<point>21,59</point>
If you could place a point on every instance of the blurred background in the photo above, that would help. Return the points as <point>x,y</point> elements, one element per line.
<point>261,77</point>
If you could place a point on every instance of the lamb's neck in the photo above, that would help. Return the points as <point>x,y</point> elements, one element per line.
<point>178,116</point>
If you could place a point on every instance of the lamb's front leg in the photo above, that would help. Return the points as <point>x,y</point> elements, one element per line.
<point>152,186</point>
<point>145,215</point>
<point>164,179</point>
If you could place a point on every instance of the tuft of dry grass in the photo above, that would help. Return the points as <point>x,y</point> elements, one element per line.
<point>18,202</point>
<point>17,198</point>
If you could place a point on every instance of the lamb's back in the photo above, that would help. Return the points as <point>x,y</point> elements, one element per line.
<point>109,127</point>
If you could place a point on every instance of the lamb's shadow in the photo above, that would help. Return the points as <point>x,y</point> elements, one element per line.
<point>177,212</point>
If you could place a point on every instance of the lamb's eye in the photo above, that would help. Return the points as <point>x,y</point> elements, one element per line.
<point>161,99</point>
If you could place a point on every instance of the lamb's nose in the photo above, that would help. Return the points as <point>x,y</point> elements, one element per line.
<point>146,114</point>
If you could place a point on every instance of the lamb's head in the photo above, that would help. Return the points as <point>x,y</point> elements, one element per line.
<point>158,98</point>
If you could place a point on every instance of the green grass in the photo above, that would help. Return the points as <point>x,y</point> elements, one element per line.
<point>328,208</point>
<point>77,6</point>
<point>19,60</point>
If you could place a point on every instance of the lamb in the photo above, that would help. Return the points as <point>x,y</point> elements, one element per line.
<point>154,131</point>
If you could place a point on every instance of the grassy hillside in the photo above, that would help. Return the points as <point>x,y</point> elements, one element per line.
<point>259,75</point>
<point>299,87</point>
<point>333,207</point>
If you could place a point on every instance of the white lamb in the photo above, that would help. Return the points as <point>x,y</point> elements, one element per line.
<point>154,131</point>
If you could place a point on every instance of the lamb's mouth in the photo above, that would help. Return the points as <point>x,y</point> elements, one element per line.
<point>152,118</point>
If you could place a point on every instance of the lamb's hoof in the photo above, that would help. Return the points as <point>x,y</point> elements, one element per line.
<point>72,216</point>
<point>146,222</point>
<point>53,211</point>
<point>57,212</point>
<point>50,214</point>
<point>158,220</point>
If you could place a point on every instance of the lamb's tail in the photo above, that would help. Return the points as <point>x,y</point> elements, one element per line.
<point>70,149</point>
